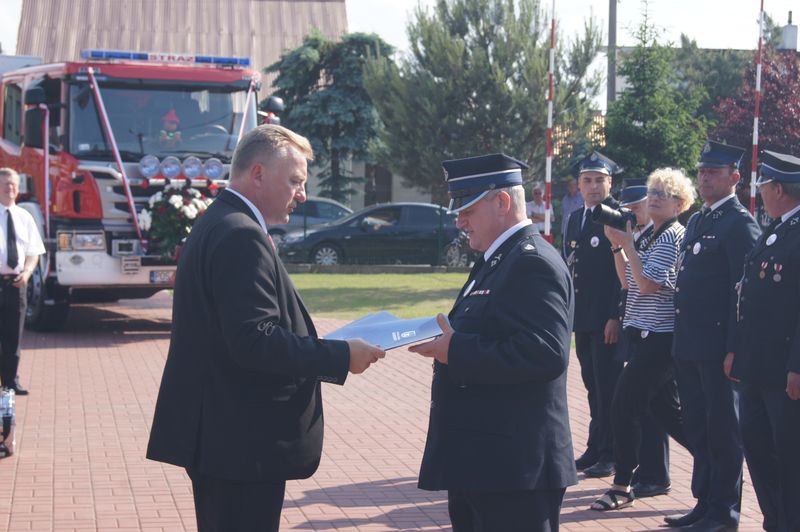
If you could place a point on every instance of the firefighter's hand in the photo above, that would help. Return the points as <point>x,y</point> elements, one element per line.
<point>362,355</point>
<point>793,385</point>
<point>21,280</point>
<point>438,347</point>
<point>611,332</point>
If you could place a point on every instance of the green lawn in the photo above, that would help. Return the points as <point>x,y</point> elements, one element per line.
<point>350,296</point>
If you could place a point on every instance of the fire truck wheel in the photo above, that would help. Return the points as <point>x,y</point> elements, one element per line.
<point>48,305</point>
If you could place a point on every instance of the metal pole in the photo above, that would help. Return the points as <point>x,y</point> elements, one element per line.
<point>549,162</point>
<point>611,87</point>
<point>754,165</point>
<point>46,154</point>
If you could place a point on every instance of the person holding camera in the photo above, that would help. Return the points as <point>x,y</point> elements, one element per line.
<point>596,325</point>
<point>647,383</point>
<point>652,476</point>
<point>717,240</point>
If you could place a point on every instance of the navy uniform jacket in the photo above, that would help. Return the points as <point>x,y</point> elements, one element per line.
<point>713,252</point>
<point>240,396</point>
<point>769,309</point>
<point>589,256</point>
<point>499,418</point>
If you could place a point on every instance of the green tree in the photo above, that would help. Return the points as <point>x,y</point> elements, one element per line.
<point>321,83</point>
<point>652,124</point>
<point>475,82</point>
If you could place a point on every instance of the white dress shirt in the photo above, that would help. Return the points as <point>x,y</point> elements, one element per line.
<point>29,241</point>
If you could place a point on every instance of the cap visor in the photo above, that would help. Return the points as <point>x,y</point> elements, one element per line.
<point>626,203</point>
<point>459,204</point>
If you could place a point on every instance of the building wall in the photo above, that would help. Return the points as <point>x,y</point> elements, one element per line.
<point>57,30</point>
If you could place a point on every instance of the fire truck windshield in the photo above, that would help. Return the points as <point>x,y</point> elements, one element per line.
<point>160,120</point>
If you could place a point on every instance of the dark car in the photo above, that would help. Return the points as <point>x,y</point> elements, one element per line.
<point>312,212</point>
<point>415,233</point>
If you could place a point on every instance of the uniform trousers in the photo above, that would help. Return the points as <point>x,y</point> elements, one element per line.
<point>770,423</point>
<point>13,302</point>
<point>234,506</point>
<point>508,511</point>
<point>711,417</point>
<point>600,369</point>
<point>646,386</point>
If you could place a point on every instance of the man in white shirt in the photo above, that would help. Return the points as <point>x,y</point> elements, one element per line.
<point>20,247</point>
<point>536,208</point>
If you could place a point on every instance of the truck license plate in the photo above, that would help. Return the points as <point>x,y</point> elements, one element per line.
<point>131,265</point>
<point>161,276</point>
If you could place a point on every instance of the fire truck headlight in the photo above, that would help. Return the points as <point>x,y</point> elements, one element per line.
<point>213,168</point>
<point>192,167</point>
<point>149,166</point>
<point>171,167</point>
<point>89,241</point>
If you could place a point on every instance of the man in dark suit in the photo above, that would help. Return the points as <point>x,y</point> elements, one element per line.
<point>716,241</point>
<point>239,405</point>
<point>767,360</point>
<point>597,296</point>
<point>499,438</point>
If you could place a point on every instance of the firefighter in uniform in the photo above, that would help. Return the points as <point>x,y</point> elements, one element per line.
<point>597,296</point>
<point>767,360</point>
<point>499,438</point>
<point>716,241</point>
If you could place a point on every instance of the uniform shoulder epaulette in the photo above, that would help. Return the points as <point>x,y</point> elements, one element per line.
<point>527,246</point>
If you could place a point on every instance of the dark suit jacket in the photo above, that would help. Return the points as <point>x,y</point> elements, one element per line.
<point>713,253</point>
<point>597,288</point>
<point>240,396</point>
<point>499,417</point>
<point>769,309</point>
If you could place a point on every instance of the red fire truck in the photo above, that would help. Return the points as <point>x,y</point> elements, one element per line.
<point>103,123</point>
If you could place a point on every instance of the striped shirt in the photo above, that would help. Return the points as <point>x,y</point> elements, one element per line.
<point>655,312</point>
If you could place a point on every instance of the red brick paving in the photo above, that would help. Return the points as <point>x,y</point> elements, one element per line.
<point>82,432</point>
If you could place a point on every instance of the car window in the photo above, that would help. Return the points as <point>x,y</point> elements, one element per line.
<point>426,216</point>
<point>12,114</point>
<point>383,218</point>
<point>330,211</point>
<point>307,208</point>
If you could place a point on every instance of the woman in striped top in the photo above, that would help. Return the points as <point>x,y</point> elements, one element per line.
<point>647,383</point>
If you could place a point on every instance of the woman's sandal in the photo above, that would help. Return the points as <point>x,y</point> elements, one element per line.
<point>613,500</point>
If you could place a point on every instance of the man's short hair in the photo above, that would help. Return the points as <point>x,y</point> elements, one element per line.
<point>517,194</point>
<point>792,190</point>
<point>9,172</point>
<point>264,142</point>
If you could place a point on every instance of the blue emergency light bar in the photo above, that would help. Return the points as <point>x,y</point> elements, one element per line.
<point>165,58</point>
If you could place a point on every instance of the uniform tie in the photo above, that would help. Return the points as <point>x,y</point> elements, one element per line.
<point>705,210</point>
<point>11,243</point>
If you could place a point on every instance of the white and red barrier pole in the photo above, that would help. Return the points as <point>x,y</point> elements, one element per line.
<point>101,108</point>
<point>757,114</point>
<point>548,173</point>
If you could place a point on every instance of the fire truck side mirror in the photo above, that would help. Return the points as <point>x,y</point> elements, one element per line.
<point>35,96</point>
<point>33,127</point>
<point>274,105</point>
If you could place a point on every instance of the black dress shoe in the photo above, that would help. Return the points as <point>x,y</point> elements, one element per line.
<point>708,524</point>
<point>586,460</point>
<point>600,470</point>
<point>646,489</point>
<point>697,513</point>
<point>18,390</point>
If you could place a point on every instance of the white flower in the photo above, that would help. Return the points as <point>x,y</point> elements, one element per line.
<point>158,196</point>
<point>190,211</point>
<point>199,204</point>
<point>194,192</point>
<point>176,201</point>
<point>145,220</point>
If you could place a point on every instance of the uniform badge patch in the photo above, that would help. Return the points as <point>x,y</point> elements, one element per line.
<point>594,241</point>
<point>771,239</point>
<point>528,247</point>
<point>696,248</point>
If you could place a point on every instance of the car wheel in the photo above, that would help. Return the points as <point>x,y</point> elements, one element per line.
<point>326,255</point>
<point>454,257</point>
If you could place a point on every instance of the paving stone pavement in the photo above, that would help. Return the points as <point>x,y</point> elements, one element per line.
<point>83,430</point>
